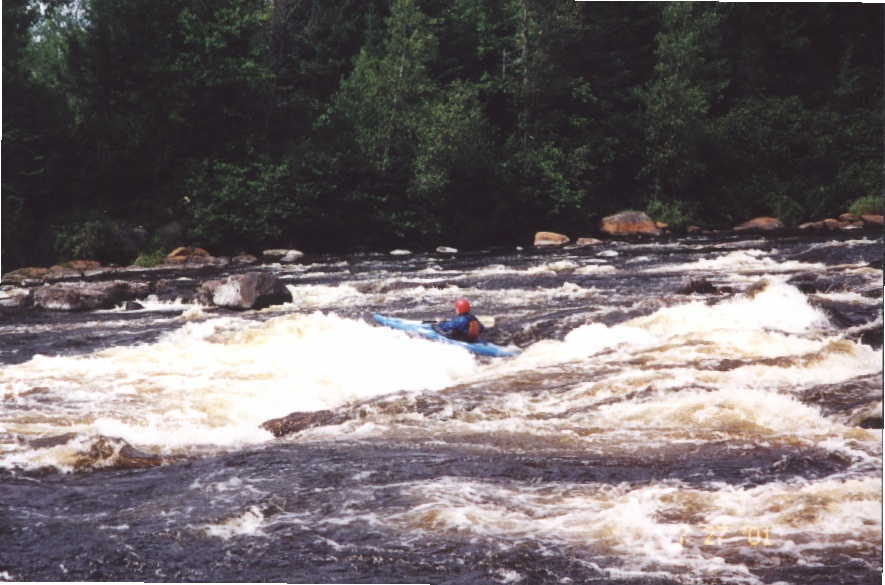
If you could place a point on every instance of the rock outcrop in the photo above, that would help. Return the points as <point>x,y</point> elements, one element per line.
<point>760,224</point>
<point>628,223</point>
<point>550,239</point>
<point>252,290</point>
<point>86,296</point>
<point>31,274</point>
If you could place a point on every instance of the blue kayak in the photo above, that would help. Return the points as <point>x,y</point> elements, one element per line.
<point>427,330</point>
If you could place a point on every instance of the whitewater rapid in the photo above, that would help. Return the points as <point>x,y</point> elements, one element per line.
<point>643,434</point>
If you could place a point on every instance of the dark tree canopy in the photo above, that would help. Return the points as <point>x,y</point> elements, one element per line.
<point>131,126</point>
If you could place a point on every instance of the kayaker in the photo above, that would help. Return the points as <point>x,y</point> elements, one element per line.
<point>464,327</point>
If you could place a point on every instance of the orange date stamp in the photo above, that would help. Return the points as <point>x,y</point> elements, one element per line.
<point>714,534</point>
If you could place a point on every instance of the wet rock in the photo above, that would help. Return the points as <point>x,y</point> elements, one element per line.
<point>873,220</point>
<point>850,400</point>
<point>868,416</point>
<point>629,222</point>
<point>59,272</point>
<point>16,298</point>
<point>581,242</point>
<point>871,335</point>
<point>244,291</point>
<point>760,224</point>
<point>133,306</point>
<point>281,255</point>
<point>101,452</point>
<point>848,218</point>
<point>86,296</point>
<point>823,225</point>
<point>244,259</point>
<point>697,286</point>
<point>756,288</point>
<point>273,254</point>
<point>550,239</point>
<point>299,421</point>
<point>291,256</point>
<point>22,275</point>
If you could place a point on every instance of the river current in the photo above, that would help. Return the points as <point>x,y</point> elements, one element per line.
<point>698,410</point>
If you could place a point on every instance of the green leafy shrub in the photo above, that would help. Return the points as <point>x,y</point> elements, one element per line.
<point>871,204</point>
<point>150,259</point>
<point>677,214</point>
<point>237,205</point>
<point>96,238</point>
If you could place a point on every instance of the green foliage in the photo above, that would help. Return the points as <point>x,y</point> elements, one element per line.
<point>251,124</point>
<point>95,238</point>
<point>231,205</point>
<point>676,214</point>
<point>150,259</point>
<point>870,204</point>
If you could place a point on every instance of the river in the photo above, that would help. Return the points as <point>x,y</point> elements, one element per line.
<point>645,434</point>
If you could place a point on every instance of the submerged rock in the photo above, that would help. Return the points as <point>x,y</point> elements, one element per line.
<point>629,222</point>
<point>86,296</point>
<point>244,291</point>
<point>550,239</point>
<point>760,224</point>
<point>697,286</point>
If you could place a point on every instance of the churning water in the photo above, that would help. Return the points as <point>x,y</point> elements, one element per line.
<point>645,434</point>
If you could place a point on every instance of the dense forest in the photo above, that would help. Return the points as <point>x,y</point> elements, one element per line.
<point>131,126</point>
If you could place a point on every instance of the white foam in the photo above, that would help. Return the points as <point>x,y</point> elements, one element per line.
<point>741,261</point>
<point>213,382</point>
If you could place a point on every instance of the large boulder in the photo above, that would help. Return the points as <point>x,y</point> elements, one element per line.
<point>760,224</point>
<point>629,222</point>
<point>244,291</point>
<point>188,255</point>
<point>87,296</point>
<point>550,239</point>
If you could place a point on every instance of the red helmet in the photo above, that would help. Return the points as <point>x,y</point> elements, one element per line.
<point>462,306</point>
